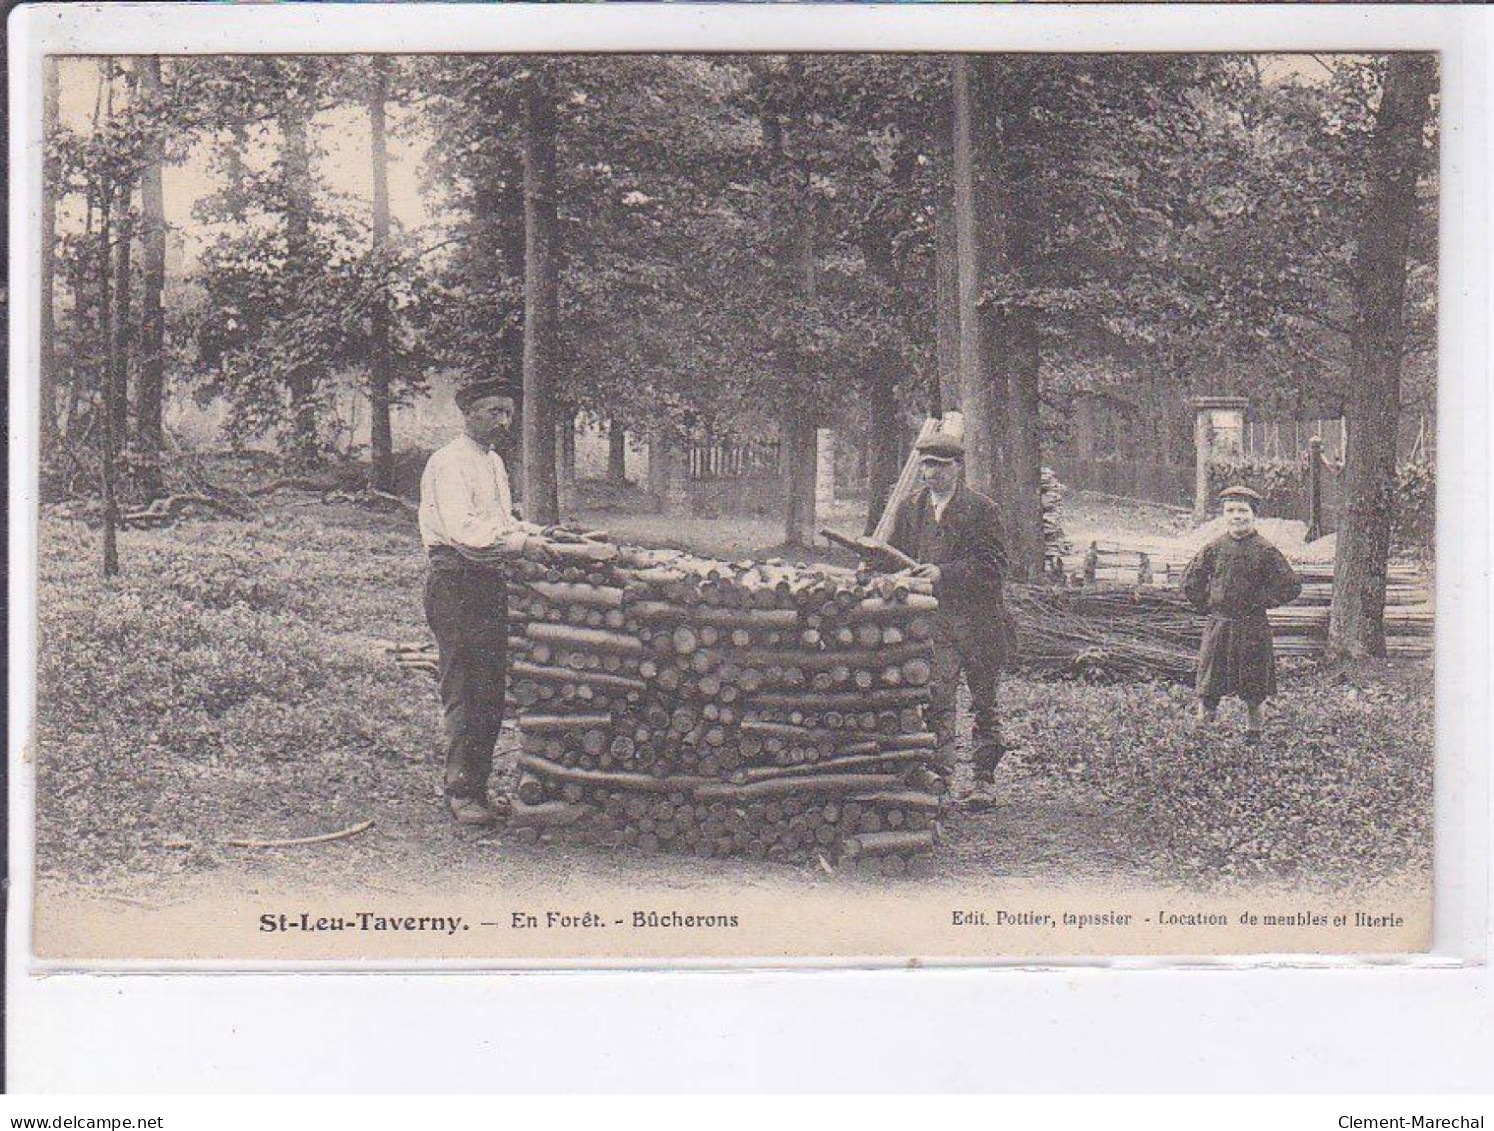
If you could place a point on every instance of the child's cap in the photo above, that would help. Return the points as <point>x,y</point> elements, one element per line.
<point>1244,494</point>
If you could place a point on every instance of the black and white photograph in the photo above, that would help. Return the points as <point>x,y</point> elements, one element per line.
<point>578,508</point>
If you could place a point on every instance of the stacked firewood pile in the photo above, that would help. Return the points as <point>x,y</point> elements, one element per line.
<point>1301,628</point>
<point>669,702</point>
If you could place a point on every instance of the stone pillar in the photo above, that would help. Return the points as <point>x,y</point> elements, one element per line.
<point>1202,442</point>
<point>669,477</point>
<point>1314,488</point>
<point>657,461</point>
<point>824,470</point>
<point>1218,426</point>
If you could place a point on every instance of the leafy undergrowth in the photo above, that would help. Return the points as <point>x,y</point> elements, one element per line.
<point>1340,790</point>
<point>227,684</point>
<point>231,683</point>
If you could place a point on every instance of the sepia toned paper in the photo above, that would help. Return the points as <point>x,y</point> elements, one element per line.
<point>231,764</point>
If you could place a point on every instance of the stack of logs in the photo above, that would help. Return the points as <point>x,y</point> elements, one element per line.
<point>669,702</point>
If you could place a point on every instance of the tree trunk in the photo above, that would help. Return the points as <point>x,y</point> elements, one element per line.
<point>1376,344</point>
<point>945,393</point>
<point>150,392</point>
<point>541,296</point>
<point>1024,464</point>
<point>79,282</point>
<point>800,462</point>
<point>47,393</point>
<point>617,453</point>
<point>104,268</point>
<point>380,361</point>
<point>799,423</point>
<point>979,396</point>
<point>104,265</point>
<point>107,444</point>
<point>119,337</point>
<point>301,380</point>
<point>885,454</point>
<point>505,231</point>
<point>565,460</point>
<point>111,502</point>
<point>1013,336</point>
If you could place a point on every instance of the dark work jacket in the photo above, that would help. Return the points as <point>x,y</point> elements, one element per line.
<point>967,546</point>
<point>1235,580</point>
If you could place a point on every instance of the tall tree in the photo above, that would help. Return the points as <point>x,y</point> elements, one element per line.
<point>541,295</point>
<point>1070,176</point>
<point>473,314</point>
<point>301,377</point>
<point>617,452</point>
<point>51,175</point>
<point>879,166</point>
<point>947,308</point>
<point>980,398</point>
<point>800,420</point>
<point>291,283</point>
<point>1356,622</point>
<point>380,361</point>
<point>108,440</point>
<point>1012,339</point>
<point>565,457</point>
<point>151,387</point>
<point>119,337</point>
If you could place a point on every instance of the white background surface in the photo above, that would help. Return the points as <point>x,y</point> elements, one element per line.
<point>1428,1025</point>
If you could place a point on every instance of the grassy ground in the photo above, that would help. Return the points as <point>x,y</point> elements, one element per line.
<point>232,683</point>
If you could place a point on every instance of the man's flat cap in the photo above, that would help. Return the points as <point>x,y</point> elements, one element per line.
<point>940,446</point>
<point>1244,494</point>
<point>474,391</point>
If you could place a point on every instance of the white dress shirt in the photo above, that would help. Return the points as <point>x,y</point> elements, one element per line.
<point>465,501</point>
<point>940,504</point>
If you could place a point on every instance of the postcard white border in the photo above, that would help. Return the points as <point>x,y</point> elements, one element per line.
<point>1463,682</point>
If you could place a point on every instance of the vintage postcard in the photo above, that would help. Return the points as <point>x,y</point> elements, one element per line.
<point>567,507</point>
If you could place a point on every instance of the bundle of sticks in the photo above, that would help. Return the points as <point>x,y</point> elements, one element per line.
<point>670,702</point>
<point>1140,632</point>
<point>1107,633</point>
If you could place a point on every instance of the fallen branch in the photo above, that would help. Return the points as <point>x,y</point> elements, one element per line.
<point>164,510</point>
<point>389,497</point>
<point>298,483</point>
<point>293,842</point>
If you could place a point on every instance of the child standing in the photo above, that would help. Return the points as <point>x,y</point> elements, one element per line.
<point>1235,579</point>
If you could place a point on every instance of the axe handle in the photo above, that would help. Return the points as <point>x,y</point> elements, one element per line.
<point>868,546</point>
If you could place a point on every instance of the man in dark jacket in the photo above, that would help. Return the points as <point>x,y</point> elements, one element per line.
<point>955,533</point>
<point>1235,579</point>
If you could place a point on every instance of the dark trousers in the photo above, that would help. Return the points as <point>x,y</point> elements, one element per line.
<point>467,609</point>
<point>966,650</point>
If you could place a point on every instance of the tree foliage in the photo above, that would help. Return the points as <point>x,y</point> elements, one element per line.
<point>743,244</point>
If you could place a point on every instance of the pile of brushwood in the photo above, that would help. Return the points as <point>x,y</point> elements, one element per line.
<point>1106,633</point>
<point>1119,633</point>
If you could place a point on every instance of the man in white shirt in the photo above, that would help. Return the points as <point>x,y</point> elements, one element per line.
<point>469,531</point>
